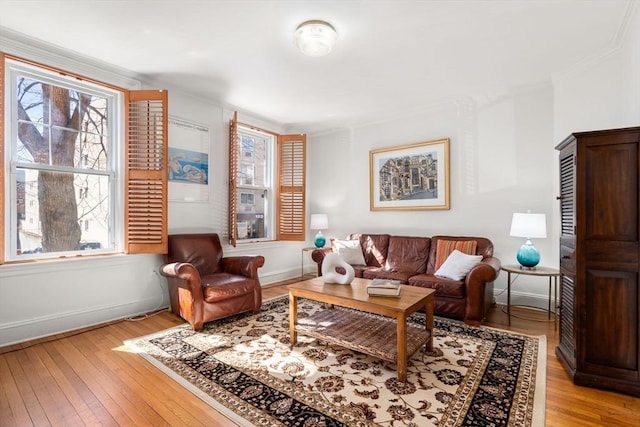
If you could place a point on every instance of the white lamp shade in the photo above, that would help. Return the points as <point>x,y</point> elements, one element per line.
<point>529,225</point>
<point>315,38</point>
<point>319,222</point>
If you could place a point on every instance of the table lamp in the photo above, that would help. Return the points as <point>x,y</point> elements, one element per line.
<point>319,222</point>
<point>528,225</point>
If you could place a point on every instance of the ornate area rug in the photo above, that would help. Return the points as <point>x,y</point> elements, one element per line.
<point>243,367</point>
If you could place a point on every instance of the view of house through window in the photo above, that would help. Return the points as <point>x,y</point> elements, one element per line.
<point>255,167</point>
<point>62,182</point>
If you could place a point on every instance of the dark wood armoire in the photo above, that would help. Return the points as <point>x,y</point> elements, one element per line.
<point>600,259</point>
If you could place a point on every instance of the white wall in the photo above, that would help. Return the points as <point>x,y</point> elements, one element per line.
<point>602,92</point>
<point>501,161</point>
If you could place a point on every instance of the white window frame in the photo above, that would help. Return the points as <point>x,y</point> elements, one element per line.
<point>115,132</point>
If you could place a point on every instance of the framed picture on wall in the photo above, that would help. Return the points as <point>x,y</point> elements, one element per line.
<point>188,165</point>
<point>410,177</point>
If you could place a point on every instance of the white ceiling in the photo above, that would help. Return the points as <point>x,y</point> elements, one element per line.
<point>392,56</point>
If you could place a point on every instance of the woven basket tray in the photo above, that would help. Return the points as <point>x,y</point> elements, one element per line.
<point>363,332</point>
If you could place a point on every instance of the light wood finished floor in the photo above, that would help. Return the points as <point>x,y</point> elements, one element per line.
<point>89,378</point>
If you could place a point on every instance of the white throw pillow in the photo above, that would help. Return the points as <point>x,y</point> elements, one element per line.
<point>350,250</point>
<point>457,265</point>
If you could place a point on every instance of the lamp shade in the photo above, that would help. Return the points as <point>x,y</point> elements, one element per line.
<point>319,222</point>
<point>315,38</point>
<point>529,225</point>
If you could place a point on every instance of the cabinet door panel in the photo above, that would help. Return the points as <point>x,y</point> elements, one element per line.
<point>611,255</point>
<point>610,323</point>
<point>611,192</point>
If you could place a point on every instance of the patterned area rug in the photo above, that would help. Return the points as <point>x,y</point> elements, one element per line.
<point>243,366</point>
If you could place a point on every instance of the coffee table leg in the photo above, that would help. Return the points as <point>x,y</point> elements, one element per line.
<point>293,314</point>
<point>402,348</point>
<point>428,322</point>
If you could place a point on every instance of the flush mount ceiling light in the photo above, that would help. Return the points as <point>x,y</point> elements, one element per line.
<point>315,38</point>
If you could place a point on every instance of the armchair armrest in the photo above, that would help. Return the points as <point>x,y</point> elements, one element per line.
<point>185,274</point>
<point>185,291</point>
<point>243,265</point>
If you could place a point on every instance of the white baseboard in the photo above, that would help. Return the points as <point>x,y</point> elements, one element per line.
<point>525,299</point>
<point>31,329</point>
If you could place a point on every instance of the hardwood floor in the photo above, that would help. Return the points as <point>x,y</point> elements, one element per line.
<point>89,378</point>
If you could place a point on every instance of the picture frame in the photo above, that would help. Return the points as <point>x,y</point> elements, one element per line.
<point>188,161</point>
<point>410,177</point>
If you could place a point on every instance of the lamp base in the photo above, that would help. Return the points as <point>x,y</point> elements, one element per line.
<point>319,241</point>
<point>528,256</point>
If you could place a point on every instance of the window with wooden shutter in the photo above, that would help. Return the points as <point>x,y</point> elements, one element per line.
<point>62,201</point>
<point>269,170</point>
<point>291,187</point>
<point>146,172</point>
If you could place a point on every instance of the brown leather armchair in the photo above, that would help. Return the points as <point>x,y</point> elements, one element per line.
<point>204,285</point>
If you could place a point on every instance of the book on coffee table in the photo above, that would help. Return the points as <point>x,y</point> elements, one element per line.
<point>384,287</point>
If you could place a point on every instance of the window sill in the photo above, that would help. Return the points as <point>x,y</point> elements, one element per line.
<point>54,265</point>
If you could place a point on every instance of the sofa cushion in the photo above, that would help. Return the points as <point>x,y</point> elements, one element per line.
<point>350,250</point>
<point>444,287</point>
<point>484,247</point>
<point>375,248</point>
<point>457,265</point>
<point>444,248</point>
<point>408,254</point>
<point>360,270</point>
<point>382,273</point>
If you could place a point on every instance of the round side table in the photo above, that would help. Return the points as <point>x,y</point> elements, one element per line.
<point>551,273</point>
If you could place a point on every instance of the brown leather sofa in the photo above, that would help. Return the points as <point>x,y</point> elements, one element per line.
<point>412,260</point>
<point>204,285</point>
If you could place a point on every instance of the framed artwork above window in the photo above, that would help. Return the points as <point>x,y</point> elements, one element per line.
<point>188,168</point>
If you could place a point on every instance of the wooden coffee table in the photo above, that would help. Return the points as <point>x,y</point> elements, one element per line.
<point>389,337</point>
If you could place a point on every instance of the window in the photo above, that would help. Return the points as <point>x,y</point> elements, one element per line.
<point>255,173</point>
<point>67,165</point>
<point>247,171</point>
<point>247,199</point>
<point>267,200</point>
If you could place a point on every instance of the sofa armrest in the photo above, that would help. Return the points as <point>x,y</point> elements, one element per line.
<point>475,283</point>
<point>246,266</point>
<point>486,271</point>
<point>318,256</point>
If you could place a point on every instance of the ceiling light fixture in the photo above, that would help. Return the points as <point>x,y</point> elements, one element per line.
<point>315,38</point>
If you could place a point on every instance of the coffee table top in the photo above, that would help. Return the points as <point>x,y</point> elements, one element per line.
<point>355,296</point>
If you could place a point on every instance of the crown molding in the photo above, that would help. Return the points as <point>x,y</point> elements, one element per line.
<point>616,44</point>
<point>20,45</point>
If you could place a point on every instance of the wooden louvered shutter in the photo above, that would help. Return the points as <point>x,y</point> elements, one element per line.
<point>233,178</point>
<point>291,215</point>
<point>146,172</point>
